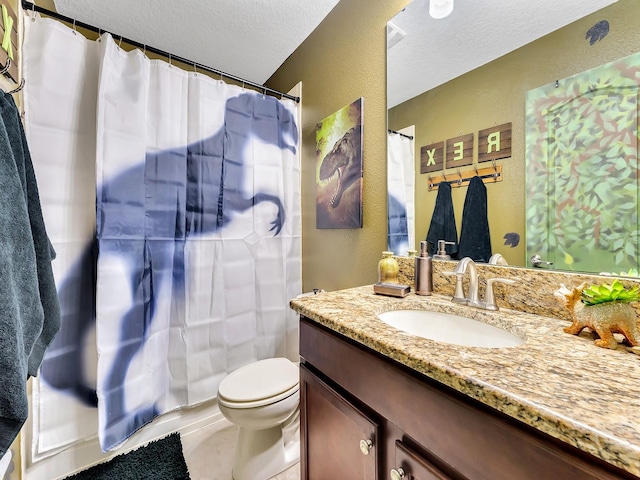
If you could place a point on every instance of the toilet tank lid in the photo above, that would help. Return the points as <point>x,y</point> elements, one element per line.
<point>259,380</point>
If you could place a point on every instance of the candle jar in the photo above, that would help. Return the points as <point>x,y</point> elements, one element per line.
<point>388,268</point>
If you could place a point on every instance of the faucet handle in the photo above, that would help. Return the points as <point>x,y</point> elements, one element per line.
<point>458,296</point>
<point>489,297</point>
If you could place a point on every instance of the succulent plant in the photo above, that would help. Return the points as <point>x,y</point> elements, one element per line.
<point>615,292</point>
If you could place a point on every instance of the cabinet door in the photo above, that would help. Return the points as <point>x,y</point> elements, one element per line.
<point>410,465</point>
<point>338,439</point>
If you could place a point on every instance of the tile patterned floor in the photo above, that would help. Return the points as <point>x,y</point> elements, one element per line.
<point>209,455</point>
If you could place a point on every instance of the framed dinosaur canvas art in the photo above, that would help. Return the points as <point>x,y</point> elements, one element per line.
<point>339,168</point>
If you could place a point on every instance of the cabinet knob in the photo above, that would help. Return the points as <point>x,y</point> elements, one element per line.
<point>397,474</point>
<point>366,446</point>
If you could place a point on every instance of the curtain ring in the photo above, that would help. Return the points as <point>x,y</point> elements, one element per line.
<point>144,49</point>
<point>170,61</point>
<point>20,87</point>
<point>6,66</point>
<point>74,27</point>
<point>33,12</point>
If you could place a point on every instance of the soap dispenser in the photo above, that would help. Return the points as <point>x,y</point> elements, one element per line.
<point>442,250</point>
<point>423,274</point>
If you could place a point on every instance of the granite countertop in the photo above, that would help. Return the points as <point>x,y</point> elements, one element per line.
<point>558,383</point>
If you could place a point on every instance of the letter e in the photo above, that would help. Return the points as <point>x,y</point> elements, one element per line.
<point>458,150</point>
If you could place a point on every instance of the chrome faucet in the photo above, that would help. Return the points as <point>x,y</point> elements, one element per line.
<point>472,297</point>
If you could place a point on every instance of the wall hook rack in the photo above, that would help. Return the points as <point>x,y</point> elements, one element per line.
<point>488,175</point>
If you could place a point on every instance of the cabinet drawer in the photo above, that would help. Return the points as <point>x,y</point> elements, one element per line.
<point>410,465</point>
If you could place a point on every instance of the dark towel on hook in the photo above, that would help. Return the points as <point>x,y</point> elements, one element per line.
<point>475,241</point>
<point>443,222</point>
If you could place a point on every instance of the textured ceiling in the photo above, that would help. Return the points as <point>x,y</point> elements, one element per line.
<point>252,38</point>
<point>246,38</point>
<point>432,52</point>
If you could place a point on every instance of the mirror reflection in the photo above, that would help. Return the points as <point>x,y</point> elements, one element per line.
<point>473,74</point>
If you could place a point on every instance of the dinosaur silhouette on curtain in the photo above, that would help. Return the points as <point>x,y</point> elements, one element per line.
<point>184,199</point>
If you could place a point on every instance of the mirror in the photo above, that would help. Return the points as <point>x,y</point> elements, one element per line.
<point>471,70</point>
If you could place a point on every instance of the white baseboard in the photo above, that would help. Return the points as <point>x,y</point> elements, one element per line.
<point>87,453</point>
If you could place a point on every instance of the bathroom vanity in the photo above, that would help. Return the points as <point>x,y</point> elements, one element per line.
<point>379,403</point>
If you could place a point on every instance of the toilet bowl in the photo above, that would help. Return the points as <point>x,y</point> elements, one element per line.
<point>262,398</point>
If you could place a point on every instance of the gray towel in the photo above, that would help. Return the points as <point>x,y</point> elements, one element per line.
<point>29,309</point>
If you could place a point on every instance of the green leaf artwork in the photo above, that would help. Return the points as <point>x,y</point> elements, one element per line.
<point>582,174</point>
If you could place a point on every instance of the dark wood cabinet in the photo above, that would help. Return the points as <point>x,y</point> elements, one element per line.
<point>340,440</point>
<point>417,426</point>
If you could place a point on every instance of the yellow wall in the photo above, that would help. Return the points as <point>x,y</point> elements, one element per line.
<point>495,94</point>
<point>342,60</point>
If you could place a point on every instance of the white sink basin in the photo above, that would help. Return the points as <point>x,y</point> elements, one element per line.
<point>449,328</point>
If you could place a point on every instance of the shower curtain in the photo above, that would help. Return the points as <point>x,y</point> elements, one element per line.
<point>400,194</point>
<point>176,200</point>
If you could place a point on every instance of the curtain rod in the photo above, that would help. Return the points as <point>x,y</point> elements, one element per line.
<point>401,134</point>
<point>26,5</point>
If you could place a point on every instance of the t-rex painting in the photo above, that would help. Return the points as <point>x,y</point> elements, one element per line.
<point>145,216</point>
<point>339,194</point>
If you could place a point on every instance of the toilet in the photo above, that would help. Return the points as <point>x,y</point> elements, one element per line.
<point>262,398</point>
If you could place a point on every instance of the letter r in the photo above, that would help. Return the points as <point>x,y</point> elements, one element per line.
<point>493,140</point>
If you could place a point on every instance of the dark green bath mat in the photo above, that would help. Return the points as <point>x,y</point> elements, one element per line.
<point>159,460</point>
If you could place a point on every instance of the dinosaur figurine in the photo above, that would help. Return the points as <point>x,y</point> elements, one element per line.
<point>603,319</point>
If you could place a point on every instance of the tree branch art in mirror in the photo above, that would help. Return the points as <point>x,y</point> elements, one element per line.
<point>582,169</point>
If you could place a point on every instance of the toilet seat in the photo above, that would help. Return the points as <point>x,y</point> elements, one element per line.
<point>260,383</point>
